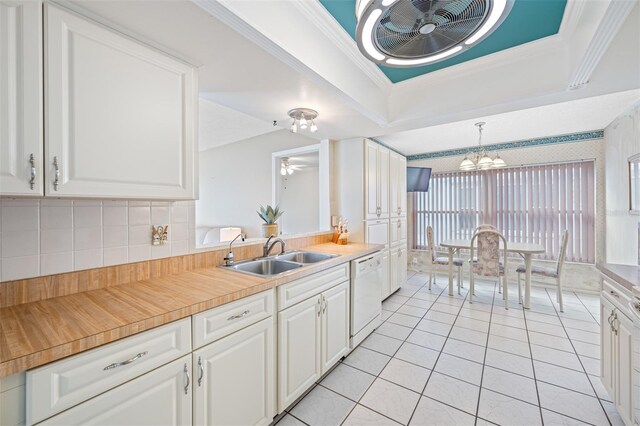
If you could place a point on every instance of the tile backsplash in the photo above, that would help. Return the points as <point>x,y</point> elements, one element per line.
<point>43,237</point>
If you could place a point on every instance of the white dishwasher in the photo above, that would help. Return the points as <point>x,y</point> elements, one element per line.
<point>366,304</point>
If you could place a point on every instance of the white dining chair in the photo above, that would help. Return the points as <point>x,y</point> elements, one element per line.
<point>548,272</point>
<point>441,260</point>
<point>485,248</point>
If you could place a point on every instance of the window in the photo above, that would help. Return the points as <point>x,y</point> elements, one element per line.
<point>531,204</point>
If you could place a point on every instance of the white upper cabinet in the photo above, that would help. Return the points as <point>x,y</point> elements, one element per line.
<point>376,180</point>
<point>398,185</point>
<point>21,119</point>
<point>120,116</point>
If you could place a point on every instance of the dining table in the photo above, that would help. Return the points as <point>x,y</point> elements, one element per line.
<point>526,250</point>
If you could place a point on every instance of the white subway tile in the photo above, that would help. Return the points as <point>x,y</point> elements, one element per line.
<point>139,253</point>
<point>158,252</point>
<point>114,216</point>
<point>19,202</point>
<point>87,216</point>
<point>56,263</point>
<point>20,218</point>
<point>178,231</point>
<point>48,202</point>
<point>160,215</point>
<point>115,256</point>
<point>87,203</point>
<point>87,259</point>
<point>139,215</point>
<point>178,248</point>
<point>137,203</point>
<point>179,214</point>
<point>114,203</point>
<point>56,217</point>
<point>115,236</point>
<point>139,235</point>
<point>87,238</point>
<point>56,240</point>
<point>14,268</point>
<point>20,243</point>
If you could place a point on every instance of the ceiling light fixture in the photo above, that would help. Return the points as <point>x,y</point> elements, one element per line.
<point>303,118</point>
<point>480,160</point>
<point>406,33</point>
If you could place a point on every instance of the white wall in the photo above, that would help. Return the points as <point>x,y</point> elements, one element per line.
<point>580,276</point>
<point>622,141</point>
<point>236,178</point>
<point>299,199</point>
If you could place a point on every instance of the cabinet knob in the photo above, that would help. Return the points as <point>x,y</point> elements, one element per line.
<point>613,293</point>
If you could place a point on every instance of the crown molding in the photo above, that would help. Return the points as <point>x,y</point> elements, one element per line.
<point>227,16</point>
<point>379,142</point>
<point>525,143</point>
<point>571,19</point>
<point>608,28</point>
<point>328,25</point>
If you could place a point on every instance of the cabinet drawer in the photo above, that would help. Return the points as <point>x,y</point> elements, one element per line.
<point>619,296</point>
<point>296,291</point>
<point>63,384</point>
<point>221,321</point>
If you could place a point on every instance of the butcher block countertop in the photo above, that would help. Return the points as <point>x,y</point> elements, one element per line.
<point>37,333</point>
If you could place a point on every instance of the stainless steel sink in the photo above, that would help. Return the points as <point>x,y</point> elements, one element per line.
<point>264,267</point>
<point>305,257</point>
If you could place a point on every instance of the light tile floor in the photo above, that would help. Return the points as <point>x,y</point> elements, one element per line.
<point>440,360</point>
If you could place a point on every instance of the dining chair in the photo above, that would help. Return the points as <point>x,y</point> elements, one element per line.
<point>487,243</point>
<point>441,260</point>
<point>549,272</point>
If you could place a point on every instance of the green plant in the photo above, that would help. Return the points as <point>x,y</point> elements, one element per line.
<point>269,214</point>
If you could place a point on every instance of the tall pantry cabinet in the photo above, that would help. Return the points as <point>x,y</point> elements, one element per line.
<point>372,196</point>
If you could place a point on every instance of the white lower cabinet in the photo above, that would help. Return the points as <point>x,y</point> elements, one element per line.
<point>160,397</point>
<point>386,274</point>
<point>312,336</point>
<point>616,357</point>
<point>398,268</point>
<point>234,378</point>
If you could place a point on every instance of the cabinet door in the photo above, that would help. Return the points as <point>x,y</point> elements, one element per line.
<point>377,232</point>
<point>402,265</point>
<point>156,398</point>
<point>394,185</point>
<point>21,120</point>
<point>606,347</point>
<point>371,180</point>
<point>394,261</point>
<point>623,366</point>
<point>299,340</point>
<point>402,186</point>
<point>335,325</point>
<point>386,274</point>
<point>233,372</point>
<point>120,115</point>
<point>383,181</point>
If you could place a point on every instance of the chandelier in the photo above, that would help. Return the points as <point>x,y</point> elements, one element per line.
<point>303,118</point>
<point>480,160</point>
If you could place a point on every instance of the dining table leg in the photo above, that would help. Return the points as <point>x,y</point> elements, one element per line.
<point>450,271</point>
<point>527,279</point>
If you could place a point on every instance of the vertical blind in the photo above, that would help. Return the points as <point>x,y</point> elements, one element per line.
<point>531,204</point>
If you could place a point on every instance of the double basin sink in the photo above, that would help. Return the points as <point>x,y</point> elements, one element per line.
<point>278,264</point>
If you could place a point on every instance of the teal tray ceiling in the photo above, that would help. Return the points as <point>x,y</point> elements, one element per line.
<point>529,20</point>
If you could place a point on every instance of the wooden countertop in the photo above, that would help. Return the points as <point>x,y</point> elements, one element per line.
<point>37,333</point>
<point>627,276</point>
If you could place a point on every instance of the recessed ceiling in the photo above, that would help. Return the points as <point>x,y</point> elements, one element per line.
<point>582,115</point>
<point>528,21</point>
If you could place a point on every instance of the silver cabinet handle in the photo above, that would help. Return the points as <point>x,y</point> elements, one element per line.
<point>129,361</point>
<point>32,162</point>
<point>614,294</point>
<point>319,305</point>
<point>187,379</point>
<point>233,317</point>
<point>56,180</point>
<point>399,225</point>
<point>324,305</point>
<point>200,371</point>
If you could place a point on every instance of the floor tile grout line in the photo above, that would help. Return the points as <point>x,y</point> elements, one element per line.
<point>580,361</point>
<point>585,306</point>
<point>533,368</point>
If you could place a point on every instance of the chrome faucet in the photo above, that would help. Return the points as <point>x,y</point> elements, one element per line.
<point>267,248</point>
<point>229,259</point>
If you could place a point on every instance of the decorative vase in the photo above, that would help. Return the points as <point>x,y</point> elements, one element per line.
<point>269,229</point>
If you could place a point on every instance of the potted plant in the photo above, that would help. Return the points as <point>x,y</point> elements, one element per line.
<point>269,215</point>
